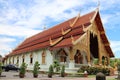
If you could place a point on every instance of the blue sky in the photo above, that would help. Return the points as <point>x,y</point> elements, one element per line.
<point>20,19</point>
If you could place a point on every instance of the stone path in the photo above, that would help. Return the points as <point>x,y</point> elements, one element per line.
<point>14,76</point>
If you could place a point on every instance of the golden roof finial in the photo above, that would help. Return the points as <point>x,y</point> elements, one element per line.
<point>98,4</point>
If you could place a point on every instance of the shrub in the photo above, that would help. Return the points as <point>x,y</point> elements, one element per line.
<point>22,70</point>
<point>63,71</point>
<point>94,70</point>
<point>36,69</point>
<point>118,66</point>
<point>50,73</point>
<point>0,68</point>
<point>56,66</point>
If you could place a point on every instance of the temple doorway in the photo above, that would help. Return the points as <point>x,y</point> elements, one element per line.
<point>94,45</point>
<point>78,57</point>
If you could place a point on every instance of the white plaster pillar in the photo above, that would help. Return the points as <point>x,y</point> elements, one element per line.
<point>71,64</point>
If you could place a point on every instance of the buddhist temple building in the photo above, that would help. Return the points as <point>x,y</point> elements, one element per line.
<point>74,43</point>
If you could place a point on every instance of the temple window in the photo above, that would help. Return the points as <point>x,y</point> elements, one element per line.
<point>78,57</point>
<point>17,60</point>
<point>13,60</point>
<point>23,58</point>
<point>9,61</point>
<point>31,58</point>
<point>63,56</point>
<point>43,57</point>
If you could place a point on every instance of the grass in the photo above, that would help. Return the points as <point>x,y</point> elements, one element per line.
<point>91,76</point>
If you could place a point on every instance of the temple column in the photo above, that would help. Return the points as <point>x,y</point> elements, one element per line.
<point>88,49</point>
<point>71,55</point>
<point>88,58</point>
<point>108,59</point>
<point>99,48</point>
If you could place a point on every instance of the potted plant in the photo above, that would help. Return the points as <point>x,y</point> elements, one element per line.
<point>56,66</point>
<point>22,70</point>
<point>50,73</point>
<point>63,71</point>
<point>36,69</point>
<point>0,68</point>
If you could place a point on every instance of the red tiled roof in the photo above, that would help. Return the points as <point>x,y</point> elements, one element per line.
<point>42,39</point>
<point>66,42</point>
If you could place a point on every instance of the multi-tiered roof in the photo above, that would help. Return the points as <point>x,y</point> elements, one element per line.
<point>63,35</point>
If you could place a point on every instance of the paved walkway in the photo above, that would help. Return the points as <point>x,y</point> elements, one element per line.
<point>14,76</point>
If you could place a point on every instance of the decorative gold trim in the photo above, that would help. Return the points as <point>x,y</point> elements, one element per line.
<point>43,53</point>
<point>72,39</point>
<point>65,32</point>
<point>107,44</point>
<point>92,20</point>
<point>55,42</point>
<point>31,55</point>
<point>103,32</point>
<point>72,24</point>
<point>23,56</point>
<point>85,29</point>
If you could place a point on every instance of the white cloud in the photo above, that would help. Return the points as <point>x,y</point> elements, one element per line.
<point>5,39</point>
<point>115,47</point>
<point>4,45</point>
<point>42,10</point>
<point>105,18</point>
<point>17,31</point>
